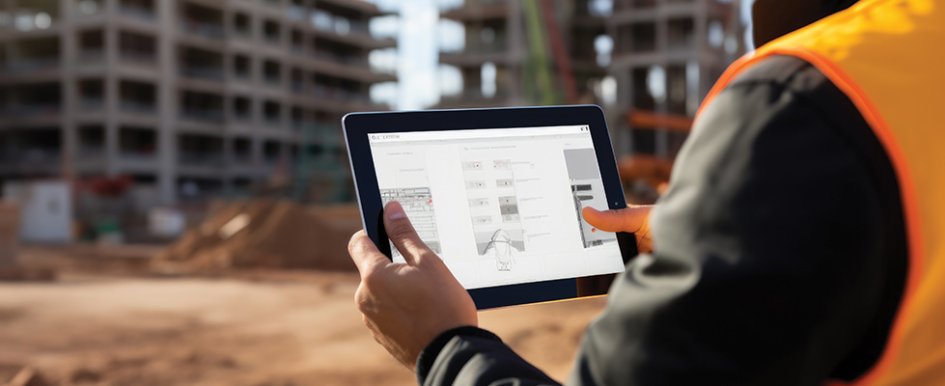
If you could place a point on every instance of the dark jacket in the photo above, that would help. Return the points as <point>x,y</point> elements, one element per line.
<point>781,255</point>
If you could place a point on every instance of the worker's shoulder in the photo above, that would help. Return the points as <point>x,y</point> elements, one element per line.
<point>791,74</point>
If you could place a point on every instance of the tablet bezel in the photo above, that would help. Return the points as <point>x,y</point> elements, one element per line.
<point>358,126</point>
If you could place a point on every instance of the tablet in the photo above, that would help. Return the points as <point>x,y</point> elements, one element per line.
<point>497,194</point>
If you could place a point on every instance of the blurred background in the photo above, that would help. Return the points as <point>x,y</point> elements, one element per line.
<point>176,198</point>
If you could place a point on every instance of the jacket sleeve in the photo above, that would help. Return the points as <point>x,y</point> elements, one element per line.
<point>767,268</point>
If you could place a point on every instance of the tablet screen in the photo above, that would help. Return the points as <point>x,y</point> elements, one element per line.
<point>500,206</point>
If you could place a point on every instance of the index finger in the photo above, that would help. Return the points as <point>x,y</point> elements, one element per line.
<point>365,254</point>
<point>628,220</point>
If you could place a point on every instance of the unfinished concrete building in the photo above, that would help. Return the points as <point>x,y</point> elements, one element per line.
<point>495,57</point>
<point>667,55</point>
<point>192,98</point>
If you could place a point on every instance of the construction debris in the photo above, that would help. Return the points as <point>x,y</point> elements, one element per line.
<point>20,376</point>
<point>263,234</point>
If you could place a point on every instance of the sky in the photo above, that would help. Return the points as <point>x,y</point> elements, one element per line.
<point>420,34</point>
<point>416,30</point>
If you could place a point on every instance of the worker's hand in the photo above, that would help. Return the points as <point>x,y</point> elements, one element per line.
<point>407,305</point>
<point>634,219</point>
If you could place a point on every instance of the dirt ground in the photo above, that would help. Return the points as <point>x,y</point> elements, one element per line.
<point>115,327</point>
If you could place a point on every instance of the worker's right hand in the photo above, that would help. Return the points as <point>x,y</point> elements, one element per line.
<point>634,219</point>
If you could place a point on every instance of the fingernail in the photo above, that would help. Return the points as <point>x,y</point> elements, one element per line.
<point>395,212</point>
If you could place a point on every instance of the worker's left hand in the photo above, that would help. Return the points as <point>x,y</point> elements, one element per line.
<point>407,305</point>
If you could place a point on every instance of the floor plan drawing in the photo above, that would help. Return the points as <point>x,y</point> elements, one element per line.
<point>493,207</point>
<point>418,204</point>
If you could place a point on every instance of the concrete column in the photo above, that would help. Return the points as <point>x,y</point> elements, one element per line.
<point>516,50</point>
<point>167,101</point>
<point>701,27</point>
<point>67,59</point>
<point>226,147</point>
<point>623,137</point>
<point>662,46</point>
<point>112,160</point>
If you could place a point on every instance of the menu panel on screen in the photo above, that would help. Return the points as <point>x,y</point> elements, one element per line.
<point>500,206</point>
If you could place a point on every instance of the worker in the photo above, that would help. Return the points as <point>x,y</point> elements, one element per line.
<point>801,241</point>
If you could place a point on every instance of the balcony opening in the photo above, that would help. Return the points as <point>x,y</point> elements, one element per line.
<point>297,117</point>
<point>202,107</point>
<point>91,94</point>
<point>242,67</point>
<point>298,80</point>
<point>487,37</point>
<point>272,151</point>
<point>338,20</point>
<point>91,45</point>
<point>203,21</point>
<point>34,100</point>
<point>139,9</point>
<point>634,4</point>
<point>340,53</point>
<point>681,34</point>
<point>200,149</point>
<point>638,37</point>
<point>32,15</point>
<point>242,25</point>
<point>297,39</point>
<point>144,179</point>
<point>242,150</point>
<point>33,54</point>
<point>272,72</point>
<point>137,47</point>
<point>91,141</point>
<point>201,64</point>
<point>272,32</point>
<point>137,142</point>
<point>242,108</point>
<point>33,146</point>
<point>137,97</point>
<point>340,89</point>
<point>272,112</point>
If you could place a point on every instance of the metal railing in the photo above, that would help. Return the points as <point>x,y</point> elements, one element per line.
<point>136,107</point>
<point>210,73</point>
<point>140,57</point>
<point>135,11</point>
<point>17,66</point>
<point>209,30</point>
<point>202,115</point>
<point>201,158</point>
<point>30,110</point>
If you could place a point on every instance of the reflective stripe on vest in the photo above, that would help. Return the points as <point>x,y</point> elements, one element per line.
<point>888,57</point>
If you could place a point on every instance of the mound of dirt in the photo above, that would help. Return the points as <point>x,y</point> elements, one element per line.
<point>264,234</point>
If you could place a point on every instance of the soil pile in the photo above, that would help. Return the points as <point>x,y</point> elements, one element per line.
<point>264,234</point>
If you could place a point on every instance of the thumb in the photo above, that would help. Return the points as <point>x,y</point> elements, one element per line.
<point>402,234</point>
<point>630,220</point>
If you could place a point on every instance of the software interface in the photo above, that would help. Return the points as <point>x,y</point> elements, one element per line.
<point>500,206</point>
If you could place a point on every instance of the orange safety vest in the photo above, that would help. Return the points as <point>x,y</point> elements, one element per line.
<point>888,57</point>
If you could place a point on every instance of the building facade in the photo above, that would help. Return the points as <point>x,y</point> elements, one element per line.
<point>503,35</point>
<point>658,61</point>
<point>193,98</point>
<point>667,55</point>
